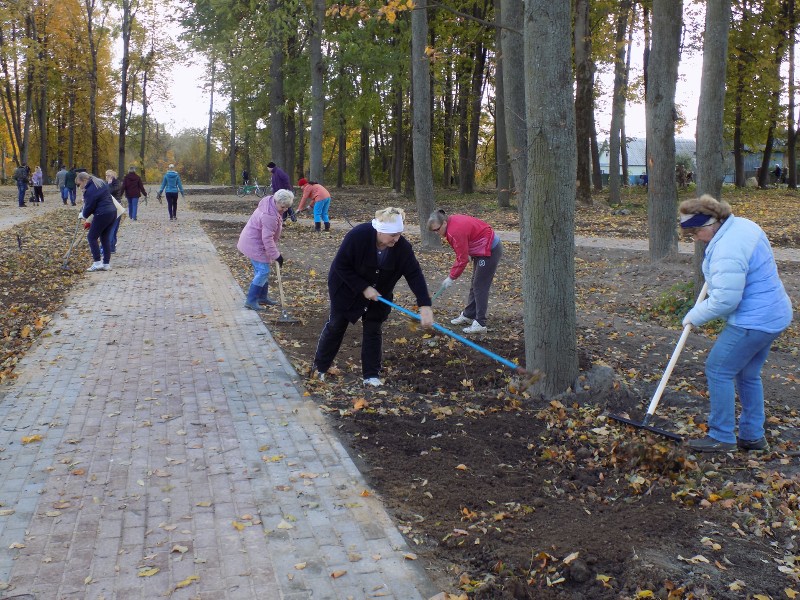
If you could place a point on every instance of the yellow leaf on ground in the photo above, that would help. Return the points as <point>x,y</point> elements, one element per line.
<point>187,582</point>
<point>461,467</point>
<point>29,439</point>
<point>790,593</point>
<point>337,574</point>
<point>148,571</point>
<point>239,526</point>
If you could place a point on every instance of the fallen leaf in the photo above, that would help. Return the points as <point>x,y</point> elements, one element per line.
<point>179,548</point>
<point>337,574</point>
<point>300,566</point>
<point>148,571</point>
<point>186,582</point>
<point>410,556</point>
<point>461,467</point>
<point>29,439</point>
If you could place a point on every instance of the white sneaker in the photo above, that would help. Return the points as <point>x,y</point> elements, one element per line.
<point>373,381</point>
<point>317,375</point>
<point>97,266</point>
<point>105,267</point>
<point>475,328</point>
<point>460,320</point>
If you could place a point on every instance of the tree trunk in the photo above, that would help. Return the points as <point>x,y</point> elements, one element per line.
<point>341,163</point>
<point>547,240</point>
<point>92,77</point>
<point>143,140</point>
<point>513,51</point>
<point>317,94</point>
<point>662,191</point>
<point>501,142</point>
<point>618,104</point>
<point>710,170</point>
<point>476,98</point>
<point>791,130</point>
<point>584,100</point>
<point>421,128</point>
<point>447,129</point>
<point>290,146</point>
<point>232,152</point>
<point>397,139</point>
<point>364,166</point>
<point>277,97</point>
<point>210,119</point>
<point>127,22</point>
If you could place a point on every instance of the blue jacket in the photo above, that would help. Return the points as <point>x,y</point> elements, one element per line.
<point>171,183</point>
<point>356,267</point>
<point>280,180</point>
<point>97,200</point>
<point>744,287</point>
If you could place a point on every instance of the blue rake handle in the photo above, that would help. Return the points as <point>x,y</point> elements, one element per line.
<point>515,367</point>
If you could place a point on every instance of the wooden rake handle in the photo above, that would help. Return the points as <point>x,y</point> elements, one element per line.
<point>280,283</point>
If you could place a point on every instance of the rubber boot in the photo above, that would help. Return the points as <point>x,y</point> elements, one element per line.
<point>264,297</point>
<point>317,227</point>
<point>327,226</point>
<point>253,295</point>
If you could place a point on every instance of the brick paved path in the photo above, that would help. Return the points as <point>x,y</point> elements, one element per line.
<point>166,432</point>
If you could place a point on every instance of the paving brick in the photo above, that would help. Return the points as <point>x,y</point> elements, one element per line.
<point>166,424</point>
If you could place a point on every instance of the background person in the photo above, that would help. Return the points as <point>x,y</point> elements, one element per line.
<point>133,188</point>
<point>259,242</point>
<point>69,183</point>
<point>318,198</point>
<point>97,203</point>
<point>280,181</point>
<point>21,177</point>
<point>745,290</point>
<point>471,239</point>
<point>38,180</point>
<point>170,186</point>
<point>369,263</point>
<point>61,181</point>
<point>115,187</point>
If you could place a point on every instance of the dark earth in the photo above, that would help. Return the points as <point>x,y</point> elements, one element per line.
<point>502,494</point>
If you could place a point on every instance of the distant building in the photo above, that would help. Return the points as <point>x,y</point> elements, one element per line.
<point>637,161</point>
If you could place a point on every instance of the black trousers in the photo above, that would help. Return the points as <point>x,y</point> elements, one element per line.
<point>330,340</point>
<point>172,204</point>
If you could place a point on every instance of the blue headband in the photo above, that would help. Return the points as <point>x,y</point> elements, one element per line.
<point>696,220</point>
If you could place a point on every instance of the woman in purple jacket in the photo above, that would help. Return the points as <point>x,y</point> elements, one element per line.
<point>259,242</point>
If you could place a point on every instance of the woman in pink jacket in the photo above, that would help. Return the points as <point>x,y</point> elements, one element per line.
<point>319,199</point>
<point>471,239</point>
<point>259,242</point>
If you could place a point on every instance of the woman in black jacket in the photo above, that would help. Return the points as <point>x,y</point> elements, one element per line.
<point>369,263</point>
<point>97,203</point>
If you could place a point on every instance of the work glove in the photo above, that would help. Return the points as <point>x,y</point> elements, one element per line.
<point>279,260</point>
<point>447,283</point>
<point>80,216</point>
<point>687,321</point>
<point>87,225</point>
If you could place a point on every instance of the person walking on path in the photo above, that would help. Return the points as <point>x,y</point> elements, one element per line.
<point>38,180</point>
<point>170,186</point>
<point>280,181</point>
<point>97,203</point>
<point>21,177</point>
<point>259,242</point>
<point>133,187</point>
<point>318,198</point>
<point>745,290</point>
<point>69,183</point>
<point>115,187</point>
<point>61,183</point>
<point>369,263</point>
<point>471,239</point>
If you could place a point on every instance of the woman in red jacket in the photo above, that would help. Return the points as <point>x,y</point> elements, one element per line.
<point>471,239</point>
<point>318,199</point>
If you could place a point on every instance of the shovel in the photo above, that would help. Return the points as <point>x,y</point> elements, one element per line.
<point>531,378</point>
<point>645,424</point>
<point>65,264</point>
<point>285,316</point>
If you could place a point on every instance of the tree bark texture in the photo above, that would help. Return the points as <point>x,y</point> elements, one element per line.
<point>584,99</point>
<point>317,94</point>
<point>618,104</point>
<point>501,143</point>
<point>513,52</point>
<point>277,97</point>
<point>662,72</point>
<point>547,240</point>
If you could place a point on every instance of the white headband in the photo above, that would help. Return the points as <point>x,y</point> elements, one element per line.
<point>392,226</point>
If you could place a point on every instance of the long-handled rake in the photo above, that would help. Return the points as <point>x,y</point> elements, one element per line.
<point>65,264</point>
<point>530,378</point>
<point>285,316</point>
<point>645,424</point>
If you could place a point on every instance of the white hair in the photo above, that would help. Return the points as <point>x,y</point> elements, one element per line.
<point>284,198</point>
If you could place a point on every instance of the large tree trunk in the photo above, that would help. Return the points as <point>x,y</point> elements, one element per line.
<point>447,128</point>
<point>513,51</point>
<point>618,104</point>
<point>791,130</point>
<point>547,240</point>
<point>232,152</point>
<point>662,191</point>
<point>92,77</point>
<point>584,99</point>
<point>501,142</point>
<point>468,177</point>
<point>317,94</point>
<point>122,130</point>
<point>210,119</point>
<point>277,97</point>
<point>421,130</point>
<point>341,163</point>
<point>364,166</point>
<point>398,146</point>
<point>710,170</point>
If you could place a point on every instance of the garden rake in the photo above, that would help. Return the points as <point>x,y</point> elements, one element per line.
<point>65,264</point>
<point>645,424</point>
<point>285,316</point>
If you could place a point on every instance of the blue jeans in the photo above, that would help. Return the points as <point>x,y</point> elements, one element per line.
<point>133,207</point>
<point>734,364</point>
<point>261,272</point>
<point>22,187</point>
<point>102,227</point>
<point>72,195</point>
<point>321,210</point>
<point>64,194</point>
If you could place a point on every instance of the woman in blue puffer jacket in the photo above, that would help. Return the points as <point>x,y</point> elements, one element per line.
<point>744,288</point>
<point>170,186</point>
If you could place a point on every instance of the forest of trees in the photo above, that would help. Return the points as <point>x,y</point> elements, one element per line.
<point>413,96</point>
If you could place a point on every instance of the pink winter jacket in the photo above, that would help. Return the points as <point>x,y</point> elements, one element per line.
<point>469,237</point>
<point>259,238</point>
